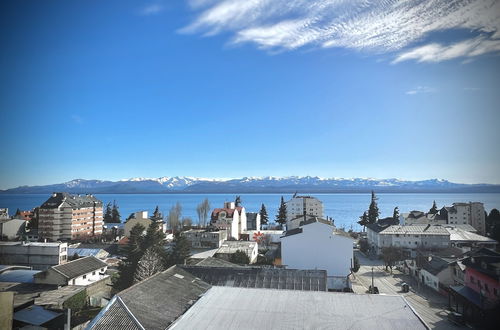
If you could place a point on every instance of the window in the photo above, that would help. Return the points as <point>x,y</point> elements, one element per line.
<point>84,276</point>
<point>93,273</point>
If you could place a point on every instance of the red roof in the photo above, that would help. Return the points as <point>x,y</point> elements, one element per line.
<point>229,212</point>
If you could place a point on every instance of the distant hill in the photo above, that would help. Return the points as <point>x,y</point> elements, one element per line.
<point>254,185</point>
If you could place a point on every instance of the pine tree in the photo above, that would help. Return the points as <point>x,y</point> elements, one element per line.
<point>157,216</point>
<point>373,211</point>
<point>115,214</point>
<point>154,238</point>
<point>108,217</point>
<point>264,218</point>
<point>395,213</point>
<point>434,208</point>
<point>239,257</point>
<point>363,220</point>
<point>281,216</point>
<point>237,201</point>
<point>133,253</point>
<point>180,252</point>
<point>149,264</point>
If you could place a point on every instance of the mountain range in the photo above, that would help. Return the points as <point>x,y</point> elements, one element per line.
<point>267,184</point>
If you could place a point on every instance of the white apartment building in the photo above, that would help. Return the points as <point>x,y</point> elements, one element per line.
<point>39,256</point>
<point>70,217</point>
<point>471,213</point>
<point>295,207</point>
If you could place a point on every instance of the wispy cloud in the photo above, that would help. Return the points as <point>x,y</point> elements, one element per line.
<point>420,90</point>
<point>365,25</point>
<point>152,9</point>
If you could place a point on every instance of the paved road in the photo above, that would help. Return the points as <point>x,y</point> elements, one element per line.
<point>430,305</point>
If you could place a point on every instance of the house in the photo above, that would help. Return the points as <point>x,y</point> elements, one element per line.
<point>230,218</point>
<point>228,248</point>
<point>316,244</point>
<point>83,271</point>
<point>138,218</point>
<point>437,273</point>
<point>145,304</point>
<point>299,205</point>
<point>253,221</point>
<point>70,217</point>
<point>37,255</point>
<point>206,239</point>
<point>11,229</point>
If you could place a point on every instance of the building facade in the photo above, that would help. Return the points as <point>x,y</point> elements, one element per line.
<point>230,218</point>
<point>39,256</point>
<point>84,271</point>
<point>70,217</point>
<point>12,229</point>
<point>295,207</point>
<point>471,213</point>
<point>204,239</point>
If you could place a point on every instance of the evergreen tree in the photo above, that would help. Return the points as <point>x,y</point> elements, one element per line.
<point>493,224</point>
<point>239,257</point>
<point>281,216</point>
<point>237,201</point>
<point>395,213</point>
<point>108,217</point>
<point>115,214</point>
<point>363,220</point>
<point>149,264</point>
<point>264,218</point>
<point>157,214</point>
<point>154,238</point>
<point>373,211</point>
<point>180,252</point>
<point>133,253</point>
<point>434,208</point>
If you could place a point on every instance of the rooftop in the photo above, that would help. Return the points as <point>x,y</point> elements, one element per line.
<point>229,247</point>
<point>78,267</point>
<point>75,201</point>
<point>244,308</point>
<point>457,234</point>
<point>18,275</point>
<point>416,229</point>
<point>56,298</point>
<point>35,315</point>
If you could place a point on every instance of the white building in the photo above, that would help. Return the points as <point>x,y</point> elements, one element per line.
<point>295,207</point>
<point>12,229</point>
<point>39,256</point>
<point>471,213</point>
<point>229,247</point>
<point>83,271</point>
<point>205,239</point>
<point>316,244</point>
<point>230,218</point>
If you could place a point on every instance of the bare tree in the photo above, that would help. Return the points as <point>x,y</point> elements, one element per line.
<point>149,264</point>
<point>202,209</point>
<point>174,217</point>
<point>187,222</point>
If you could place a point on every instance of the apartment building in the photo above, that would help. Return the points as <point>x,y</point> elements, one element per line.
<point>205,239</point>
<point>471,213</point>
<point>70,217</point>
<point>295,207</point>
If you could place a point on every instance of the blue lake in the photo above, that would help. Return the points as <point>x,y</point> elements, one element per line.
<point>344,208</point>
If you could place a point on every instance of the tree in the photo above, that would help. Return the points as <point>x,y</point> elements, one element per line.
<point>390,255</point>
<point>363,220</point>
<point>115,214</point>
<point>108,217</point>
<point>373,211</point>
<point>493,224</point>
<point>149,264</point>
<point>154,238</point>
<point>202,209</point>
<point>237,201</point>
<point>187,222</point>
<point>180,252</point>
<point>174,217</point>
<point>133,253</point>
<point>434,208</point>
<point>364,246</point>
<point>395,214</point>
<point>281,216</point>
<point>264,218</point>
<point>239,257</point>
<point>157,214</point>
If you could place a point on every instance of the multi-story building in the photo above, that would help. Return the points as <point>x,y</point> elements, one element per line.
<point>471,213</point>
<point>39,256</point>
<point>253,221</point>
<point>231,218</point>
<point>295,207</point>
<point>70,217</point>
<point>205,239</point>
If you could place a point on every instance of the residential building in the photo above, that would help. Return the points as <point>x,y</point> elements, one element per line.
<point>468,241</point>
<point>421,218</point>
<point>70,217</point>
<point>471,213</point>
<point>253,221</point>
<point>84,271</point>
<point>316,244</point>
<point>299,205</point>
<point>4,213</point>
<point>11,229</point>
<point>39,256</point>
<point>437,273</point>
<point>230,218</point>
<point>228,248</point>
<point>138,218</point>
<point>194,304</point>
<point>205,239</point>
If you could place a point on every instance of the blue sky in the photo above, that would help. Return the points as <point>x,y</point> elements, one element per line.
<point>118,89</point>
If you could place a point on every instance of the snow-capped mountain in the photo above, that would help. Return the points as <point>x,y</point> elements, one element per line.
<point>290,184</point>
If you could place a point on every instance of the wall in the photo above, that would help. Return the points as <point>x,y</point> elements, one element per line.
<point>12,228</point>
<point>40,256</point>
<point>480,278</point>
<point>317,247</point>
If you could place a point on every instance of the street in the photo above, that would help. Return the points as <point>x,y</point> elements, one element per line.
<point>430,305</point>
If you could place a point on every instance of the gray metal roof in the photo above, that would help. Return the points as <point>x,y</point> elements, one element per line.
<point>115,316</point>
<point>18,275</point>
<point>243,308</point>
<point>87,252</point>
<point>75,201</point>
<point>416,229</point>
<point>216,262</point>
<point>257,277</point>
<point>79,267</point>
<point>35,315</point>
<point>155,302</point>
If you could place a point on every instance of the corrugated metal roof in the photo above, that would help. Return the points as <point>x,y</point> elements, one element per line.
<point>35,315</point>
<point>115,316</point>
<point>240,308</point>
<point>87,252</point>
<point>416,229</point>
<point>79,267</point>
